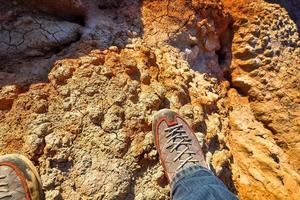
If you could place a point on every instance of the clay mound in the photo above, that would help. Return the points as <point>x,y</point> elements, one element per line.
<point>80,81</point>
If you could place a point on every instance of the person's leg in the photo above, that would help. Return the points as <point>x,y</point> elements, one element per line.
<point>197,182</point>
<point>183,160</point>
<point>19,179</point>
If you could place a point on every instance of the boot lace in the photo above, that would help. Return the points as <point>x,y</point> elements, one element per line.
<point>4,190</point>
<point>177,137</point>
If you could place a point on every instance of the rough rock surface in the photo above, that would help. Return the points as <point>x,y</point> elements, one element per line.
<point>78,99</point>
<point>266,69</point>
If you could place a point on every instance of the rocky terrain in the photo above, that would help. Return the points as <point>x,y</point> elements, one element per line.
<point>80,81</point>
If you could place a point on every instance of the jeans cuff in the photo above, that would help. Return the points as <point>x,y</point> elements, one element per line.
<point>188,171</point>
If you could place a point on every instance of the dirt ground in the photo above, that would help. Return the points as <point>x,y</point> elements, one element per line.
<point>81,80</point>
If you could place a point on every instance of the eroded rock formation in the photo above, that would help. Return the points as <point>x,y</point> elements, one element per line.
<point>78,91</point>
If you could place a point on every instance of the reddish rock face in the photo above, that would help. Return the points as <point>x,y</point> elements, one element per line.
<point>77,96</point>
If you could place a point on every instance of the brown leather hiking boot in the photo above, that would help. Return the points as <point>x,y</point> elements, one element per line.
<point>176,143</point>
<point>19,179</point>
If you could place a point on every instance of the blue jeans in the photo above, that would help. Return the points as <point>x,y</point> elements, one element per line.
<point>196,182</point>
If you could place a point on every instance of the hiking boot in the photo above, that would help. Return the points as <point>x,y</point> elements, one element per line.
<point>176,143</point>
<point>19,179</point>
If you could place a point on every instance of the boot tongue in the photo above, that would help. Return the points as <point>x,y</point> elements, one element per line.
<point>181,148</point>
<point>4,190</point>
<point>10,184</point>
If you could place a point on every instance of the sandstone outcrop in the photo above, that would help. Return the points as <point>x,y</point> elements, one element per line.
<point>78,91</point>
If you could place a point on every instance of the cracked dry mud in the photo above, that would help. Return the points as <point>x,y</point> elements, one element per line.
<point>78,91</point>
